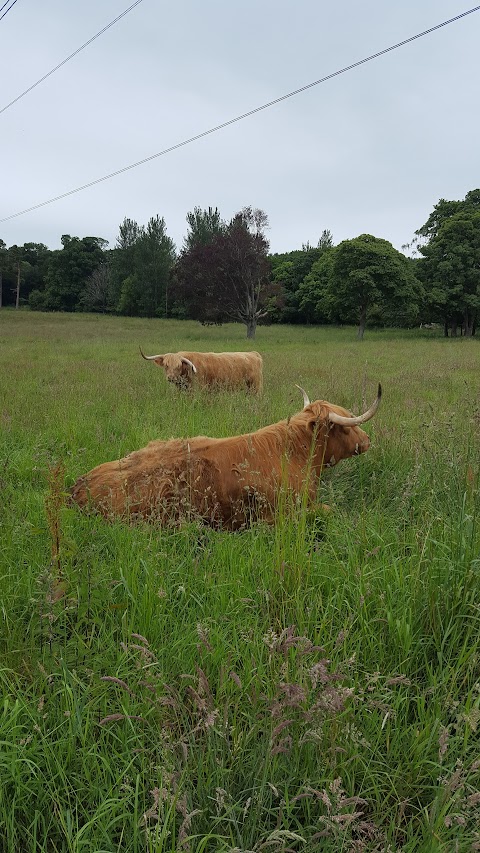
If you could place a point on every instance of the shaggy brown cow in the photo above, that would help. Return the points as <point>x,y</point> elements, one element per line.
<point>226,482</point>
<point>210,369</point>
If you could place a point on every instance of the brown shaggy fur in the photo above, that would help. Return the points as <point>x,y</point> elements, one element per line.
<point>226,369</point>
<point>225,482</point>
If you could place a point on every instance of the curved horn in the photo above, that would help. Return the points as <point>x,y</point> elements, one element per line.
<point>339,419</point>
<point>148,357</point>
<point>306,401</point>
<point>187,361</point>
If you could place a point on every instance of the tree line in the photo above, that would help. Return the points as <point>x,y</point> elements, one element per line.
<point>224,272</point>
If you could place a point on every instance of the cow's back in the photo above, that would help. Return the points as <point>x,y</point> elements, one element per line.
<point>231,369</point>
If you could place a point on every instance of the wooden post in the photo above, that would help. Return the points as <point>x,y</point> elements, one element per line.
<point>17,300</point>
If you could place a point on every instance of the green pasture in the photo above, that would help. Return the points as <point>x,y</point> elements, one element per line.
<point>311,686</point>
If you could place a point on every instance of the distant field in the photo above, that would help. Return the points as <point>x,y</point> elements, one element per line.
<point>314,686</point>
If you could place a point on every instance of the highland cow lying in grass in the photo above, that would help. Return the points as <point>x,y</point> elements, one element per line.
<point>226,482</point>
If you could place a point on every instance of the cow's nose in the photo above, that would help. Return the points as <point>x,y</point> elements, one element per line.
<point>362,445</point>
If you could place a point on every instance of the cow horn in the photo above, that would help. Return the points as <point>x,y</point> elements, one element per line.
<point>306,401</point>
<point>187,361</point>
<point>339,419</point>
<point>148,357</point>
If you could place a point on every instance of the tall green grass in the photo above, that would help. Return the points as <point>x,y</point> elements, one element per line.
<point>312,686</point>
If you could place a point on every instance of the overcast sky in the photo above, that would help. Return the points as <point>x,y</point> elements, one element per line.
<point>370,151</point>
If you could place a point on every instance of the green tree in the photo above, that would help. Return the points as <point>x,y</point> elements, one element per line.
<point>123,258</point>
<point>128,303</point>
<point>313,294</point>
<point>35,257</point>
<point>447,266</point>
<point>154,258</point>
<point>141,266</point>
<point>68,271</point>
<point>203,226</point>
<point>17,270</point>
<point>289,270</point>
<point>22,269</point>
<point>444,210</point>
<point>326,240</point>
<point>360,276</point>
<point>451,268</point>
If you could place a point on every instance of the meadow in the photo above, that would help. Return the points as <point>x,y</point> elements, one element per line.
<point>311,686</point>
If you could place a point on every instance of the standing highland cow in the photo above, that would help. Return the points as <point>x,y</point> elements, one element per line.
<point>212,369</point>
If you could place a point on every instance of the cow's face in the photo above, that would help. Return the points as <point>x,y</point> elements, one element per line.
<point>177,369</point>
<point>344,442</point>
<point>334,441</point>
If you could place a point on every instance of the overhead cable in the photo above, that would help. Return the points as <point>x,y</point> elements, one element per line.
<point>242,116</point>
<point>7,11</point>
<point>68,58</point>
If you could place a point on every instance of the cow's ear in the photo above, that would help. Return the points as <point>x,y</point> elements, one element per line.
<point>316,420</point>
<point>159,360</point>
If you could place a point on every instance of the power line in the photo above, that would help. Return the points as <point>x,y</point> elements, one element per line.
<point>68,58</point>
<point>244,115</point>
<point>6,13</point>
